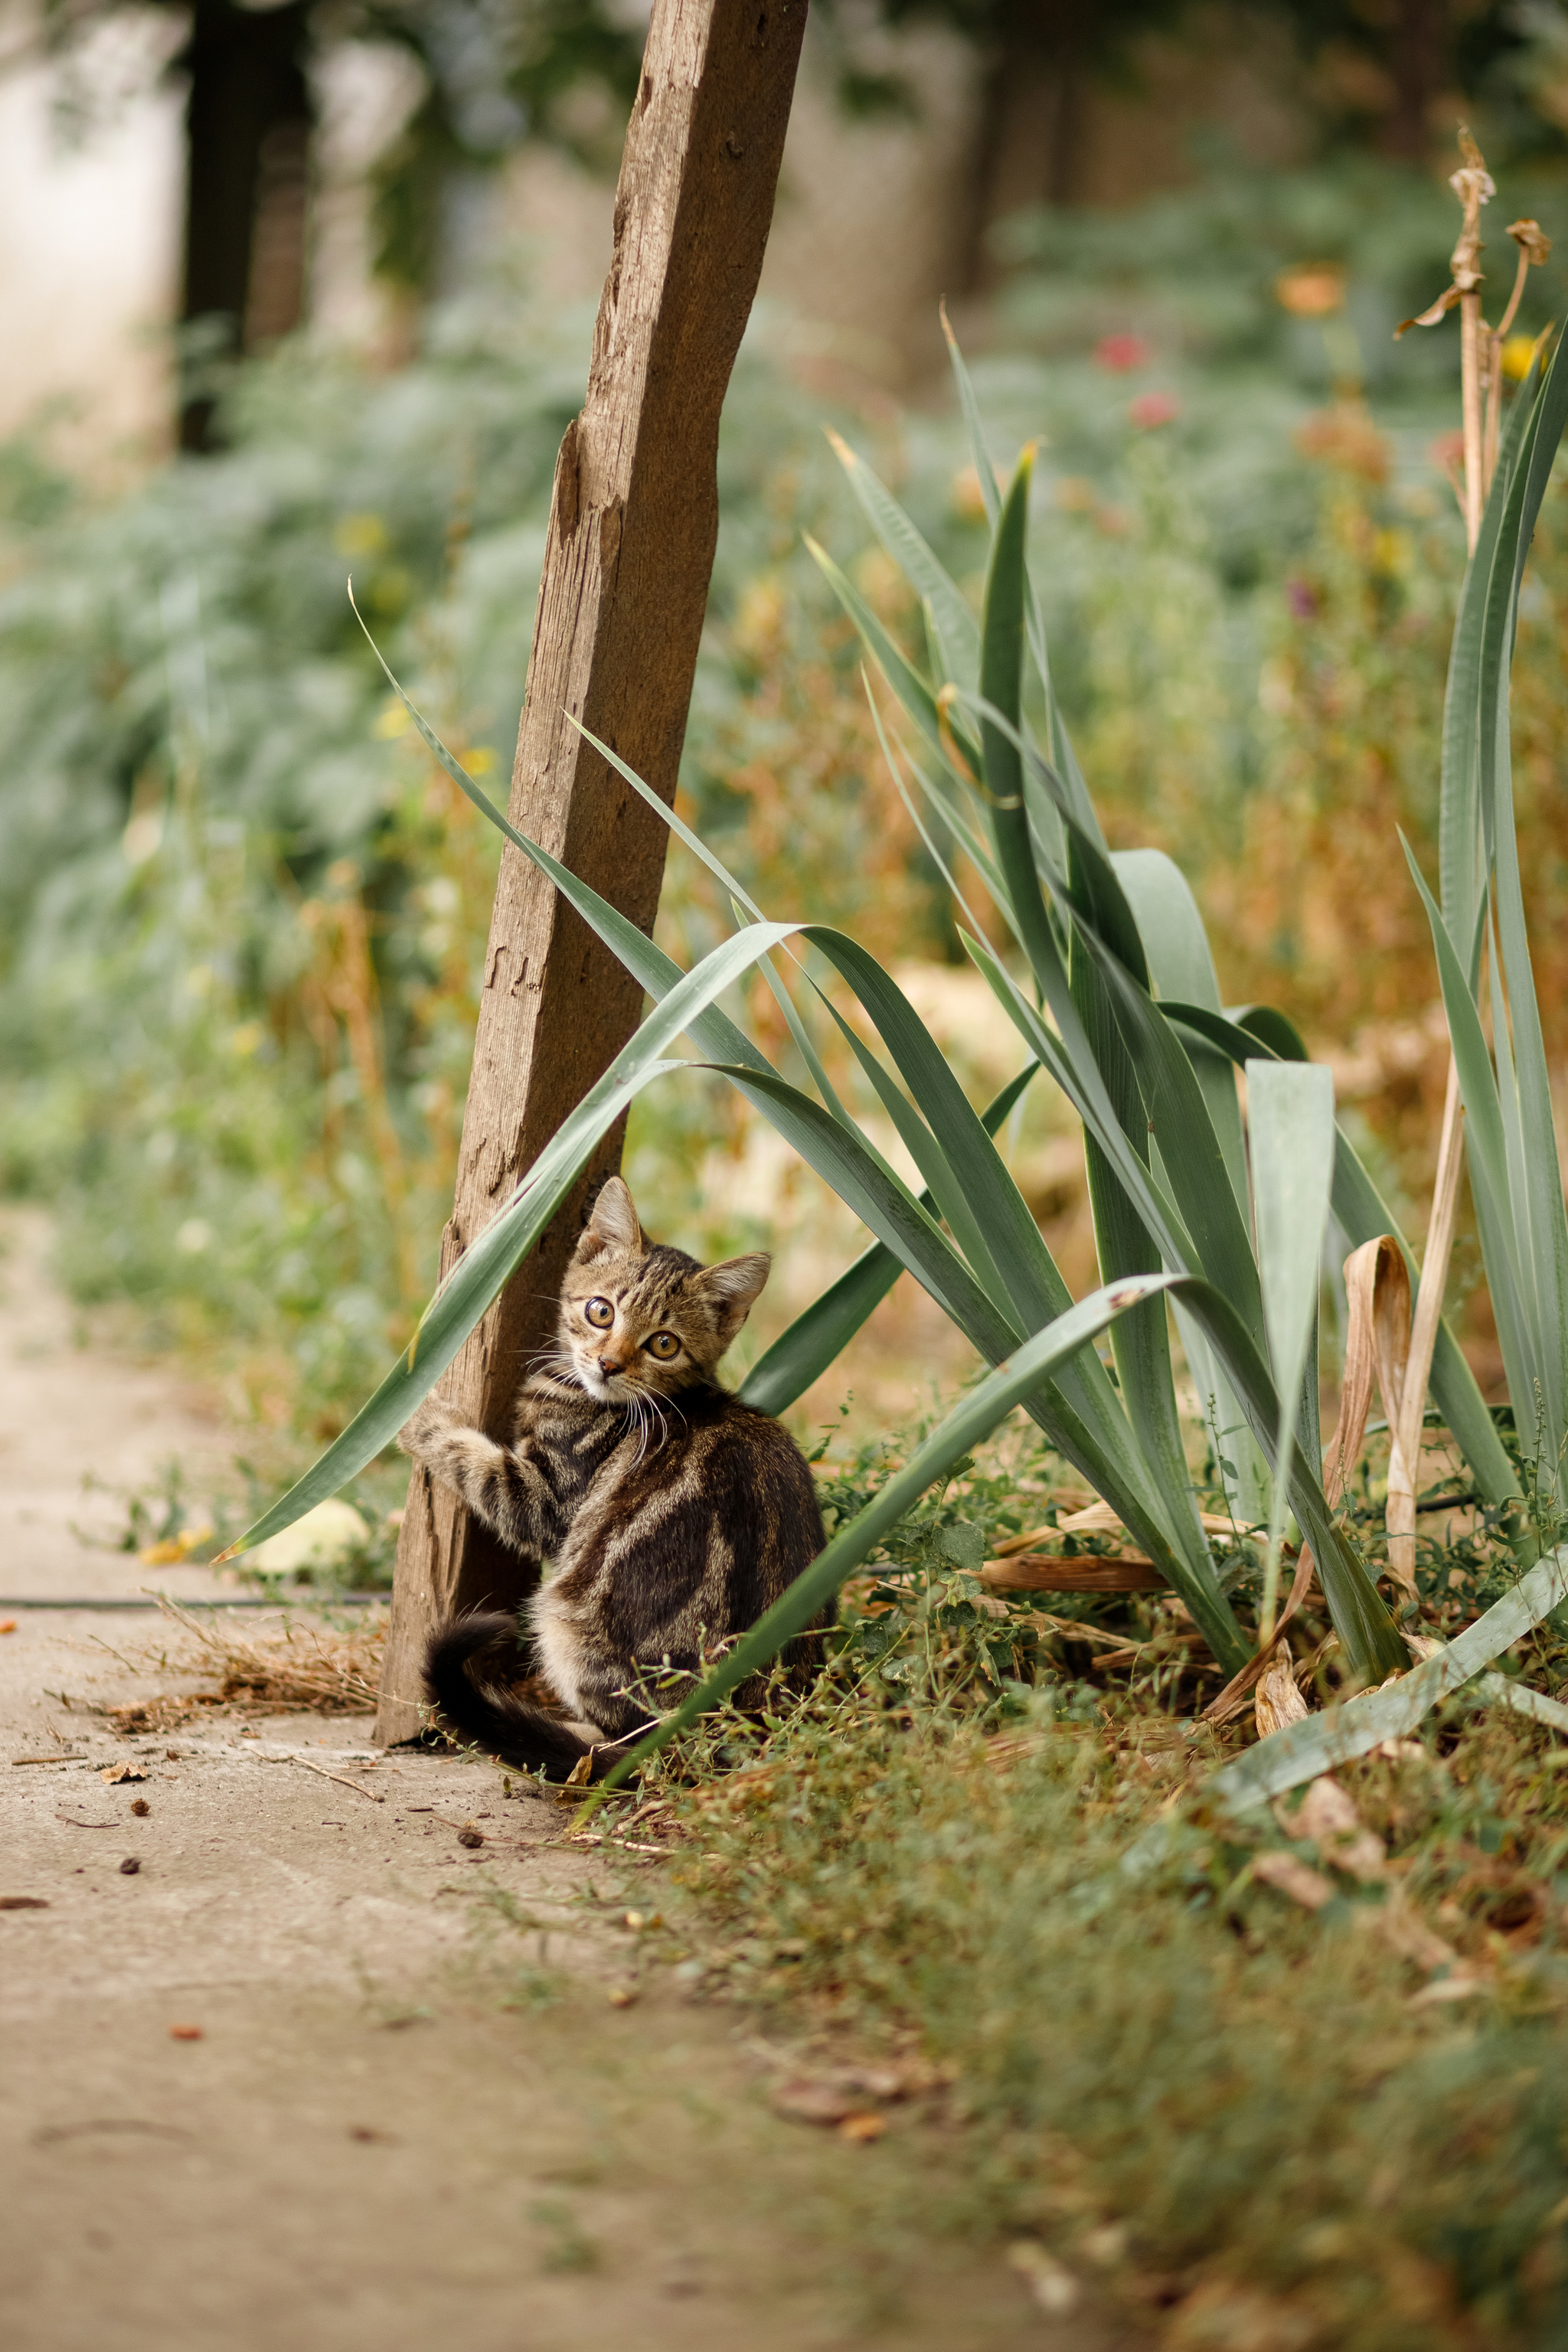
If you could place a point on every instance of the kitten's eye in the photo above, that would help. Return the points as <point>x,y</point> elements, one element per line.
<point>600,1313</point>
<point>663,1345</point>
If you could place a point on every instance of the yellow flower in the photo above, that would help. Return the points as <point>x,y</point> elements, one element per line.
<point>1517,354</point>
<point>359,534</point>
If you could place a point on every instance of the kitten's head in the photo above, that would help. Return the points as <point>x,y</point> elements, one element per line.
<point>639,1319</point>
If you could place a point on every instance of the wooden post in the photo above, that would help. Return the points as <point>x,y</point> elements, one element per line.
<point>633,519</point>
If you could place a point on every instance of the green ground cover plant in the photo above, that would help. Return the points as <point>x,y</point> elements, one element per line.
<point>1283,2079</point>
<point>1260,2118</point>
<point>242,926</point>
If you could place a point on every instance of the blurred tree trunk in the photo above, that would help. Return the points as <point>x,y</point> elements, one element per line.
<point>248,119</point>
<point>1042,55</point>
<point>1420,61</point>
<point>634,519</point>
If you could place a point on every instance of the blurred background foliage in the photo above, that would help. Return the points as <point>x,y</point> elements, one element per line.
<point>242,916</point>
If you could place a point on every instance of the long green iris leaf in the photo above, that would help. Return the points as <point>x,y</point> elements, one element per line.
<point>1316,1744</point>
<point>1079,1413</point>
<point>1362,1213</point>
<point>821,1332</point>
<point>494,1257</point>
<point>969,1423</point>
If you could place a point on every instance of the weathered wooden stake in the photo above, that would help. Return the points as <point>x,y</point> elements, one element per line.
<point>633,517</point>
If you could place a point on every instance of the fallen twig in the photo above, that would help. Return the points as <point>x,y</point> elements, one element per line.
<point>300,1667</point>
<point>1077,1630</point>
<point>1038,1571</point>
<point>374,1795</point>
<point>113,1651</point>
<point>592,1837</point>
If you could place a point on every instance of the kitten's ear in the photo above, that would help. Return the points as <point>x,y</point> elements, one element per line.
<point>613,1224</point>
<point>735,1287</point>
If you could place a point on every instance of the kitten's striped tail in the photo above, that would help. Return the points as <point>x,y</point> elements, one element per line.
<point>496,1720</point>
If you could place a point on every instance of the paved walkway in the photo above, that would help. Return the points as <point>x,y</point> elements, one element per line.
<point>316,2076</point>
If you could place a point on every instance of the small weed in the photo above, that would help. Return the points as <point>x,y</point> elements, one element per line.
<point>567,2247</point>
<point>533,1989</point>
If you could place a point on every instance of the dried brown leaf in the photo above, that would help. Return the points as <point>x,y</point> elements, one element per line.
<point>1325,1811</point>
<point>867,2124</point>
<point>1327,1815</point>
<point>1277,1701</point>
<point>1232,1700</point>
<point>1050,2282</point>
<point>815,2099</point>
<point>1410,1936</point>
<point>1288,1874</point>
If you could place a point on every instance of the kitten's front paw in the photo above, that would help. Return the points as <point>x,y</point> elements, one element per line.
<point>427,1425</point>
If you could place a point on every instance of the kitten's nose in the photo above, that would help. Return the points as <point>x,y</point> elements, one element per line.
<point>608,1366</point>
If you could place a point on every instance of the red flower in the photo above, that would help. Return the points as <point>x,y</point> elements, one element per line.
<point>1122,354</point>
<point>1152,408</point>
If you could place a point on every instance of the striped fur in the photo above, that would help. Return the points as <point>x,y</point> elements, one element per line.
<point>669,1514</point>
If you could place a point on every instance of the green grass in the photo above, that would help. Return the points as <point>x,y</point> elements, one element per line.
<point>1255,2092</point>
<point>1244,2115</point>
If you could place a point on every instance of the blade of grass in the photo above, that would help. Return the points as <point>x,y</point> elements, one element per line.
<point>1181,968</point>
<point>1364,1213</point>
<point>1541,1219</point>
<point>1062,754</point>
<point>966,1426</point>
<point>917,697</point>
<point>1095,1440</point>
<point>958,629</point>
<point>1140,1339</point>
<point>1290,1121</point>
<point>1514,1301</point>
<point>821,1332</point>
<point>969,407</point>
<point>1463,864</point>
<point>945,1190</point>
<point>1316,1745</point>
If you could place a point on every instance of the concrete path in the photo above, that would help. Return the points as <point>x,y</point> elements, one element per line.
<point>315,2076</point>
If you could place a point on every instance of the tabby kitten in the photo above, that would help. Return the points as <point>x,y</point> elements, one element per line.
<point>672,1514</point>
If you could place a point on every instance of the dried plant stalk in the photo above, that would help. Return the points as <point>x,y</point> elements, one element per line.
<point>1474,186</point>
<point>1480,385</point>
<point>1277,1701</point>
<point>1423,1340</point>
<point>299,1667</point>
<point>1377,1297</point>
